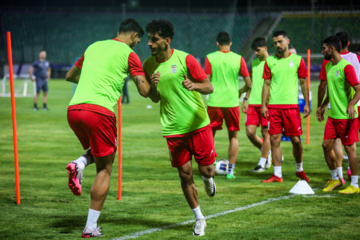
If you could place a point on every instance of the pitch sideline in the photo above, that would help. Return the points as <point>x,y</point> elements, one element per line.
<point>149,231</point>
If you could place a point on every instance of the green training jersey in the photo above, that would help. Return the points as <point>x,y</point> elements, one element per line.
<point>225,68</point>
<point>103,73</point>
<point>181,111</point>
<point>257,69</point>
<point>340,91</point>
<point>284,83</point>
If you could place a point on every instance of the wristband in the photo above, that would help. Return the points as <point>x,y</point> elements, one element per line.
<point>245,98</point>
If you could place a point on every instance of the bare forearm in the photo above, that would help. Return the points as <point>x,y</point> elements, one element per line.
<point>73,75</point>
<point>305,90</point>
<point>154,94</point>
<point>321,94</point>
<point>142,85</point>
<point>204,87</point>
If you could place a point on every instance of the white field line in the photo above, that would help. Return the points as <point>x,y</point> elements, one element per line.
<point>149,231</point>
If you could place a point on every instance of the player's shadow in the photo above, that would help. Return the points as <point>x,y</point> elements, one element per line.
<point>75,223</point>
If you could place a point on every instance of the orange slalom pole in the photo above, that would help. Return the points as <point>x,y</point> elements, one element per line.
<point>308,83</point>
<point>17,180</point>
<point>119,150</point>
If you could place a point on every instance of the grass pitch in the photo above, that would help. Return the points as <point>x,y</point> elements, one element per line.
<point>151,195</point>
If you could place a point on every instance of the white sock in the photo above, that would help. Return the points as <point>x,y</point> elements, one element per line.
<point>334,174</point>
<point>277,171</point>
<point>92,218</point>
<point>197,213</point>
<point>354,180</point>
<point>299,167</point>
<point>81,162</point>
<point>231,168</point>
<point>340,172</point>
<point>262,162</point>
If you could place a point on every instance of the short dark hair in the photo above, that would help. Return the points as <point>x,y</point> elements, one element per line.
<point>223,38</point>
<point>343,38</point>
<point>281,32</point>
<point>164,28</point>
<point>131,25</point>
<point>333,41</point>
<point>258,42</point>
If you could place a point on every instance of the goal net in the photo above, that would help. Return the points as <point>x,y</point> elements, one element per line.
<point>23,86</point>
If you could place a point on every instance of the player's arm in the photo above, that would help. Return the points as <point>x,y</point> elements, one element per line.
<point>245,74</point>
<point>48,73</point>
<point>142,85</point>
<point>321,110</point>
<point>302,74</point>
<point>73,75</point>
<point>31,71</point>
<point>154,94</point>
<point>199,80</point>
<point>203,87</point>
<point>208,70</point>
<point>305,91</point>
<point>245,104</point>
<point>137,74</point>
<point>352,79</point>
<point>264,97</point>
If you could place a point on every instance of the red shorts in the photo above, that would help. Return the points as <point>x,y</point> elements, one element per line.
<point>288,119</point>
<point>231,116</point>
<point>253,116</point>
<point>345,129</point>
<point>359,117</point>
<point>199,144</point>
<point>94,130</point>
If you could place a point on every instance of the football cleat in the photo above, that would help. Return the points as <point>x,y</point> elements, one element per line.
<point>273,178</point>
<point>258,168</point>
<point>75,178</point>
<point>302,176</point>
<point>332,185</point>
<point>210,186</point>
<point>349,190</point>
<point>230,176</point>
<point>199,228</point>
<point>87,233</point>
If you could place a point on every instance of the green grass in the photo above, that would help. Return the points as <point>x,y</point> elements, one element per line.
<point>151,193</point>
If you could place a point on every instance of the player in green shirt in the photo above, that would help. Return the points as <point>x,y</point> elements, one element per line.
<point>252,106</point>
<point>177,81</point>
<point>343,94</point>
<point>282,73</point>
<point>223,68</point>
<point>100,75</point>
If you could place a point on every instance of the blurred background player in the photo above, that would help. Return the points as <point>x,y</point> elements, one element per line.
<point>253,110</point>
<point>343,94</point>
<point>42,72</point>
<point>100,74</point>
<point>282,73</point>
<point>177,81</point>
<point>125,94</point>
<point>223,68</point>
<point>335,164</point>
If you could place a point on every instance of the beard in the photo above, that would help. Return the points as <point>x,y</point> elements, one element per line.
<point>280,50</point>
<point>327,57</point>
<point>158,50</point>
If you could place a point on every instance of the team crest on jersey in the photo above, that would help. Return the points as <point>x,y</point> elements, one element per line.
<point>173,68</point>
<point>337,73</point>
<point>291,64</point>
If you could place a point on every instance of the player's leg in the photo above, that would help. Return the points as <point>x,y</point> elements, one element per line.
<point>275,130</point>
<point>191,195</point>
<point>36,97</point>
<point>232,121</point>
<point>349,137</point>
<point>298,155</point>
<point>45,93</point>
<point>265,150</point>
<point>251,134</point>
<point>354,166</point>
<point>98,193</point>
<point>339,156</point>
<point>233,152</point>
